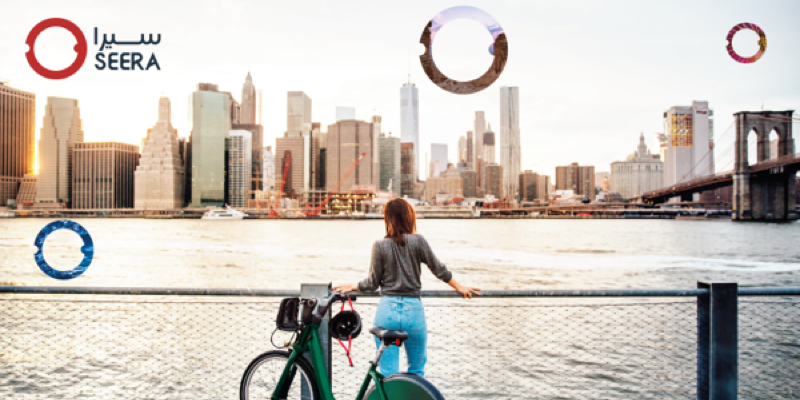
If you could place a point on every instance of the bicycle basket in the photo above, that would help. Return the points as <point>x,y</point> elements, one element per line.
<point>287,314</point>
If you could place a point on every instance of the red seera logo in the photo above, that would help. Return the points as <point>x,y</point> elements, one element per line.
<point>81,48</point>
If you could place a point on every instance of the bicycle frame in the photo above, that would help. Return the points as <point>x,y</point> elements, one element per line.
<point>309,343</point>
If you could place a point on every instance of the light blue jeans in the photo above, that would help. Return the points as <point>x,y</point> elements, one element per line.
<point>405,314</point>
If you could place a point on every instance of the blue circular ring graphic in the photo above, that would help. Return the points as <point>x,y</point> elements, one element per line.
<point>87,249</point>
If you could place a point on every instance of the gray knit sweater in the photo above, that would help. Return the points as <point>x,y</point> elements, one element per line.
<point>396,269</point>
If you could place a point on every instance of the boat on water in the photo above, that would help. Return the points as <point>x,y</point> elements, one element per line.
<point>225,213</point>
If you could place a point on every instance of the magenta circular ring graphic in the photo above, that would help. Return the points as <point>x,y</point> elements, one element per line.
<point>499,49</point>
<point>81,48</point>
<point>762,43</point>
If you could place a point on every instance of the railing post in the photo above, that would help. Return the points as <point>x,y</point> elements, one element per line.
<point>717,342</point>
<point>319,291</point>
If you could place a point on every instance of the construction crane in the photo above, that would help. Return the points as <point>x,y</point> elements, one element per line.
<point>283,184</point>
<point>316,210</point>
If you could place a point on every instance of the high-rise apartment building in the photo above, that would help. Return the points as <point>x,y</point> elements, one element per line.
<point>249,100</point>
<point>343,113</point>
<point>240,166</point>
<point>639,173</point>
<point>543,187</point>
<point>470,185</point>
<point>494,180</point>
<point>689,143</point>
<point>409,121</point>
<point>298,112</point>
<point>347,141</point>
<point>408,172</point>
<point>61,131</point>
<point>488,146</point>
<point>439,156</point>
<point>510,150</point>
<point>211,122</point>
<point>462,150</point>
<point>528,186</point>
<point>160,177</point>
<point>103,175</point>
<point>390,163</point>
<point>576,178</point>
<point>17,139</point>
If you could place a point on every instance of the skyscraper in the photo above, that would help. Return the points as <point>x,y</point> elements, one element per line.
<point>211,122</point>
<point>343,113</point>
<point>409,120</point>
<point>390,163</point>
<point>249,100</point>
<point>510,152</point>
<point>160,177</point>
<point>298,112</point>
<point>269,169</point>
<point>462,150</point>
<point>479,127</point>
<point>470,183</point>
<point>688,152</point>
<point>470,150</point>
<point>439,156</point>
<point>240,164</point>
<point>528,186</point>
<point>488,146</point>
<point>61,130</point>
<point>301,172</point>
<point>494,180</point>
<point>347,140</point>
<point>17,139</point>
<point>103,175</point>
<point>576,178</point>
<point>408,173</point>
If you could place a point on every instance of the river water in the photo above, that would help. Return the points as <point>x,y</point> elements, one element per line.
<point>144,347</point>
<point>491,254</point>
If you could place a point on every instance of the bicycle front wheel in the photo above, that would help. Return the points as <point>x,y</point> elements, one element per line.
<point>405,386</point>
<point>263,373</point>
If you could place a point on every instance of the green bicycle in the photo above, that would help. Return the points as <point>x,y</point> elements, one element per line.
<point>286,374</point>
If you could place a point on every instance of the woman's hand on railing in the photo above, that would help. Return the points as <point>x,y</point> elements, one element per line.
<point>466,291</point>
<point>345,288</point>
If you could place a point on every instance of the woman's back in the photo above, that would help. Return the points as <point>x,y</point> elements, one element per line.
<point>395,268</point>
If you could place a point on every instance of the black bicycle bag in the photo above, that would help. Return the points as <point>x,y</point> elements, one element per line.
<point>288,313</point>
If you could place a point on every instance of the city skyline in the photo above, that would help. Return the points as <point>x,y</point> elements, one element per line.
<point>575,85</point>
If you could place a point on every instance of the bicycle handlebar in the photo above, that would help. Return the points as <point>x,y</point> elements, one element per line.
<point>326,303</point>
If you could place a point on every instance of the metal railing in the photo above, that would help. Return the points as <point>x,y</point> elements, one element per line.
<point>163,343</point>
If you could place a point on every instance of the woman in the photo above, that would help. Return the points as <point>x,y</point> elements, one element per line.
<point>395,268</point>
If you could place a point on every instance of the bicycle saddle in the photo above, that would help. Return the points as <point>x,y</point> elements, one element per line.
<point>389,337</point>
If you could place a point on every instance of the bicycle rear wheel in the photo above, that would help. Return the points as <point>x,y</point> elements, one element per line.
<point>263,373</point>
<point>405,386</point>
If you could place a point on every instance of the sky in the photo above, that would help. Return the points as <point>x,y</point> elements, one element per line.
<point>593,75</point>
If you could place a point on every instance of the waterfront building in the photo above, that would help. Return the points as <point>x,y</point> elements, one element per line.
<point>347,140</point>
<point>510,150</point>
<point>249,100</point>
<point>449,183</point>
<point>407,169</point>
<point>409,121</point>
<point>488,146</point>
<point>543,187</point>
<point>61,131</point>
<point>528,186</point>
<point>689,142</point>
<point>462,150</point>
<point>494,180</point>
<point>103,175</point>
<point>439,154</point>
<point>240,165</point>
<point>301,170</point>
<point>576,178</point>
<point>470,185</point>
<point>343,113</point>
<point>26,197</point>
<point>298,112</point>
<point>639,173</point>
<point>159,179</point>
<point>269,169</point>
<point>390,164</point>
<point>211,122</point>
<point>257,144</point>
<point>17,139</point>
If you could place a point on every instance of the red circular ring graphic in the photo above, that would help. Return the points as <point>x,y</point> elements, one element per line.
<point>81,48</point>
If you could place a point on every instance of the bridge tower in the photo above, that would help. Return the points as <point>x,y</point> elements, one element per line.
<point>769,194</point>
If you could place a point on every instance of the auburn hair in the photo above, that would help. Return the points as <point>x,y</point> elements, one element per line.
<point>400,218</point>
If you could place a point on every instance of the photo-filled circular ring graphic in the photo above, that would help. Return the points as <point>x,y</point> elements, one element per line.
<point>87,249</point>
<point>762,43</point>
<point>81,47</point>
<point>499,49</point>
